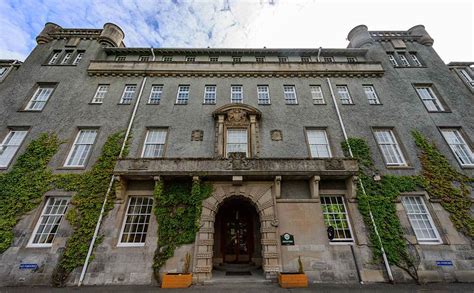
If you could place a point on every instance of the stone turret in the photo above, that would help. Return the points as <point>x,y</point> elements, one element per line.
<point>359,37</point>
<point>425,38</point>
<point>112,35</point>
<point>44,36</point>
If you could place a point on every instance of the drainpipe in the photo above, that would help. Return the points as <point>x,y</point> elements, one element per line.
<point>153,53</point>
<point>111,183</point>
<point>384,255</point>
<point>319,53</point>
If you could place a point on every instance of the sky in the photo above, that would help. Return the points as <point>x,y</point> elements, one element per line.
<point>240,23</point>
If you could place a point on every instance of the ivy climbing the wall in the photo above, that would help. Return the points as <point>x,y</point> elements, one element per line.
<point>444,183</point>
<point>178,207</point>
<point>91,188</point>
<point>22,188</point>
<point>380,197</point>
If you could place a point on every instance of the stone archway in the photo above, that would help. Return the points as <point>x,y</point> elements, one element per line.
<point>260,195</point>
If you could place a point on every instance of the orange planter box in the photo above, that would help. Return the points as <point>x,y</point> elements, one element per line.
<point>177,280</point>
<point>292,280</point>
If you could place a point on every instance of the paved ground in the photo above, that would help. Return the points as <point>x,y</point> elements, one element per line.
<point>258,288</point>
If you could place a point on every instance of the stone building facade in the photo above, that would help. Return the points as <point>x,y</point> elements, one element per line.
<point>265,126</point>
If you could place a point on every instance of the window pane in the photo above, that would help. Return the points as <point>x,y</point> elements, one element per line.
<point>290,94</point>
<point>10,145</point>
<point>237,141</point>
<point>459,147</point>
<point>236,94</point>
<point>263,94</point>
<point>210,94</point>
<point>154,143</point>
<point>420,219</point>
<point>317,94</point>
<point>318,143</point>
<point>81,148</point>
<point>183,94</point>
<point>49,221</point>
<point>40,98</point>
<point>335,215</point>
<point>389,147</point>
<point>155,94</point>
<point>137,219</point>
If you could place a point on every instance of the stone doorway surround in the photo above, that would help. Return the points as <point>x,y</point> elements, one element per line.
<point>262,196</point>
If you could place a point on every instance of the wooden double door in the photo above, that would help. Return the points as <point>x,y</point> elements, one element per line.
<point>237,242</point>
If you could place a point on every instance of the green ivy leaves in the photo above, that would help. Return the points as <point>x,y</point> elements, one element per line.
<point>177,209</point>
<point>22,188</point>
<point>443,182</point>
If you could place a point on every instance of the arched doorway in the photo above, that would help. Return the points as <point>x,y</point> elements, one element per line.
<point>237,234</point>
<point>259,196</point>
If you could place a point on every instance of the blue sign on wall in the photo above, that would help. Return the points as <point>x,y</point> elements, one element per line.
<point>28,266</point>
<point>444,263</point>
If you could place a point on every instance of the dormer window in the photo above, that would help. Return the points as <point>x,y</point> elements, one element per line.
<point>282,59</point>
<point>236,59</point>
<point>190,59</point>
<point>120,58</point>
<point>329,59</point>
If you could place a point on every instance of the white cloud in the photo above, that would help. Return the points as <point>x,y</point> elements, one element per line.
<point>251,23</point>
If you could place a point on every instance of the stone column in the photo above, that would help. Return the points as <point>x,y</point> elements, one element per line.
<point>220,136</point>
<point>253,135</point>
<point>314,187</point>
<point>277,186</point>
<point>351,187</point>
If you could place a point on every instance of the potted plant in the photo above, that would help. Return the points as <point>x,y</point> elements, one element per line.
<point>294,280</point>
<point>179,280</point>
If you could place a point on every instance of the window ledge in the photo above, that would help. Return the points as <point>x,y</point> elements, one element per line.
<point>181,104</point>
<point>400,167</point>
<point>130,245</point>
<point>70,168</point>
<point>122,104</point>
<point>91,103</point>
<point>152,103</point>
<point>341,242</point>
<point>34,111</point>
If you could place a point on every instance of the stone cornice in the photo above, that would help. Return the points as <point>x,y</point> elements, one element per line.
<point>231,167</point>
<point>229,69</point>
<point>243,51</point>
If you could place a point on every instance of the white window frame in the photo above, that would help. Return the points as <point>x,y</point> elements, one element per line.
<point>128,94</point>
<point>136,215</point>
<point>344,95</point>
<point>282,59</point>
<point>263,95</point>
<point>344,240</point>
<point>3,71</point>
<point>392,59</point>
<point>228,130</point>
<point>160,144</point>
<point>67,57</point>
<point>459,147</point>
<point>260,59</point>
<point>156,92</point>
<point>12,141</point>
<point>100,94</point>
<point>190,59</point>
<point>40,97</point>
<point>371,94</point>
<point>403,59</point>
<point>325,144</point>
<point>78,58</point>
<point>237,91</point>
<point>289,92</point>
<point>390,149</point>
<point>317,94</point>
<point>144,58</point>
<point>210,94</point>
<point>167,59</point>
<point>50,216</point>
<point>429,98</point>
<point>415,60</point>
<point>76,145</point>
<point>426,212</point>
<point>121,58</point>
<point>182,96</point>
<point>213,59</point>
<point>467,77</point>
<point>54,58</point>
<point>236,59</point>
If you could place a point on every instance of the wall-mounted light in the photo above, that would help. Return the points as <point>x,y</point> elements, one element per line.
<point>376,176</point>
